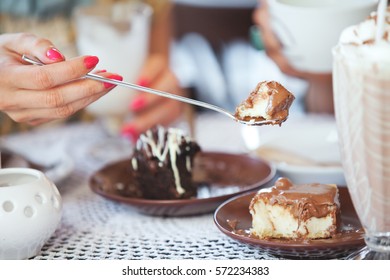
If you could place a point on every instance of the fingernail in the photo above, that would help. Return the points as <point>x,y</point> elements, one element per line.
<point>54,54</point>
<point>129,131</point>
<point>115,77</point>
<point>137,103</point>
<point>143,82</point>
<point>101,71</point>
<point>91,61</point>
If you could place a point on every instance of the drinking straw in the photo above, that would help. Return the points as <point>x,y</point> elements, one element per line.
<point>380,20</point>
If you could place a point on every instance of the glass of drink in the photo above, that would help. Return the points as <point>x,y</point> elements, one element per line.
<point>118,34</point>
<point>361,84</point>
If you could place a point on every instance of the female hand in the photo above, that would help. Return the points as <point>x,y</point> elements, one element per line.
<point>319,97</point>
<point>35,95</point>
<point>272,45</point>
<point>149,109</point>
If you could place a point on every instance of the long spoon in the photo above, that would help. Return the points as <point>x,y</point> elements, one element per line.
<point>167,95</point>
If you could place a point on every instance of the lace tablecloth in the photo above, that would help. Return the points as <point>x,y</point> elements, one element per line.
<point>93,227</point>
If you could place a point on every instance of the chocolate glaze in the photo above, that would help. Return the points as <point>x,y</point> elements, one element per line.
<point>305,201</point>
<point>279,101</point>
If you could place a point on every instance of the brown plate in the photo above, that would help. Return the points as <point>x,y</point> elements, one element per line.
<point>233,219</point>
<point>227,175</point>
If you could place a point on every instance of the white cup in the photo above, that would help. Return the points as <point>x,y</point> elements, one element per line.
<point>30,211</point>
<point>119,35</point>
<point>309,29</point>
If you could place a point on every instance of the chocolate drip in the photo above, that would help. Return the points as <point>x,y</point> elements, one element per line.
<point>306,200</point>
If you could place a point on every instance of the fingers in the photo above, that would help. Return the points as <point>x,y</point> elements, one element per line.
<point>25,43</point>
<point>153,67</point>
<point>164,114</point>
<point>37,94</point>
<point>166,82</point>
<point>273,46</point>
<point>38,107</point>
<point>59,96</point>
<point>34,116</point>
<point>53,74</point>
<point>151,109</point>
<point>48,76</point>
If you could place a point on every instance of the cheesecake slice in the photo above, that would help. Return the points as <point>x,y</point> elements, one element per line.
<point>268,101</point>
<point>289,211</point>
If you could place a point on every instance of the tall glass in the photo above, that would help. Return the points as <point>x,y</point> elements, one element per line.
<point>118,33</point>
<point>361,84</point>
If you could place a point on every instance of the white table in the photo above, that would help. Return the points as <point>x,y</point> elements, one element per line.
<point>93,227</point>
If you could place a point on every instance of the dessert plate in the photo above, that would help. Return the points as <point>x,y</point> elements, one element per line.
<point>233,219</point>
<point>226,175</point>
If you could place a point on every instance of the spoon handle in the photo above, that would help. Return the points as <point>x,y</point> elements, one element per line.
<point>144,89</point>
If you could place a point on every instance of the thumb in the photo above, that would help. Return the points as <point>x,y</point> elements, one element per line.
<point>25,43</point>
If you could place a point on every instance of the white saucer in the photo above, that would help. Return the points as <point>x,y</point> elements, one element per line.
<point>304,149</point>
<point>53,161</point>
<point>60,169</point>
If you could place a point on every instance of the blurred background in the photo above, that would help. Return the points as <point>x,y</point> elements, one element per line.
<point>215,50</point>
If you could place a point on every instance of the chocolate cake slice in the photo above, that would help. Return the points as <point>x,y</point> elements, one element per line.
<point>162,164</point>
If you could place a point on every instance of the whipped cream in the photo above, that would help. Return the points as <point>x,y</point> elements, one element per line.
<point>357,43</point>
<point>364,32</point>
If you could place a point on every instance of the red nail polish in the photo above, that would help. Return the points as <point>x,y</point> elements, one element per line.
<point>137,103</point>
<point>115,77</point>
<point>54,54</point>
<point>91,61</point>
<point>143,82</point>
<point>130,132</point>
